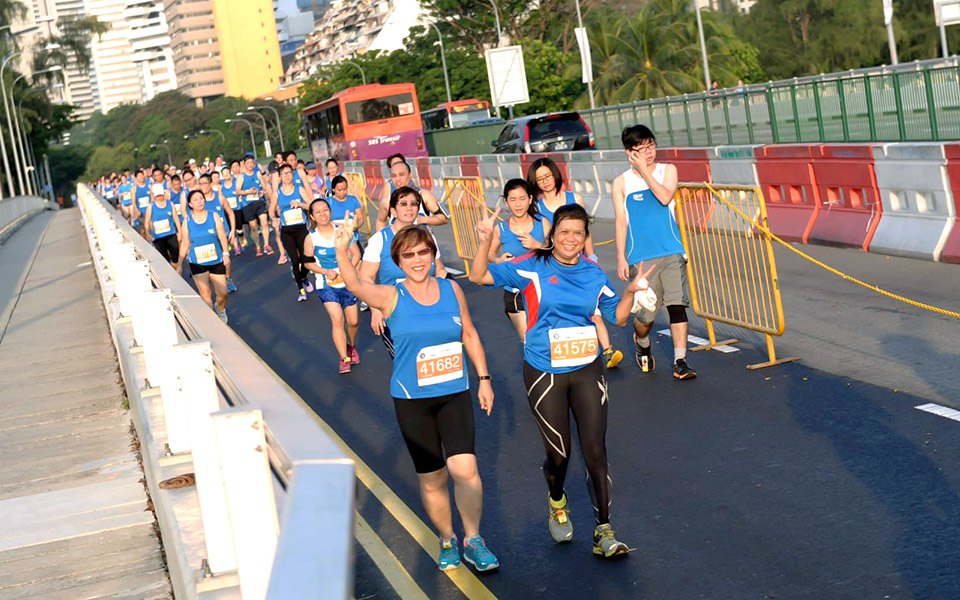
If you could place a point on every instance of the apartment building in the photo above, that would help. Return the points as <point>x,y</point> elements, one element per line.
<point>195,48</point>
<point>149,39</point>
<point>351,27</point>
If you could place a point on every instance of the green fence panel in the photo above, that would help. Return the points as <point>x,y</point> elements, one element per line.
<point>945,89</point>
<point>462,141</point>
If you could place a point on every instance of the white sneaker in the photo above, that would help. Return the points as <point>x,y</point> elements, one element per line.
<point>364,306</point>
<point>302,297</point>
<point>307,286</point>
<point>222,314</point>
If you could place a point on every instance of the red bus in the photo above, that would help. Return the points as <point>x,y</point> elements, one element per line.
<point>368,122</point>
<point>459,113</point>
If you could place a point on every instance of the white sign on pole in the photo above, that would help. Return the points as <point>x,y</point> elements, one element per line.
<point>948,10</point>
<point>887,12</point>
<point>507,76</point>
<point>267,148</point>
<point>586,61</point>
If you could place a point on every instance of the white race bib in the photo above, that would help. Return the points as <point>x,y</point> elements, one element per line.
<point>293,216</point>
<point>334,281</point>
<point>143,201</point>
<point>439,364</point>
<point>161,226</point>
<point>573,346</point>
<point>232,202</point>
<point>206,253</point>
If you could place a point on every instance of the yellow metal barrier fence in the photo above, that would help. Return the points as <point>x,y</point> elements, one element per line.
<point>730,263</point>
<point>357,186</point>
<point>464,196</point>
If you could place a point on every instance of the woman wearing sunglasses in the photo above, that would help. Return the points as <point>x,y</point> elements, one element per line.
<point>378,264</point>
<point>431,392</point>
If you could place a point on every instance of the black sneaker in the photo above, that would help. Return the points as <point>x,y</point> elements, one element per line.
<point>681,370</point>
<point>644,357</point>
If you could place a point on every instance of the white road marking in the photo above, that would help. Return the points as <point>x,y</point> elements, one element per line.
<point>84,264</point>
<point>702,342</point>
<point>942,411</point>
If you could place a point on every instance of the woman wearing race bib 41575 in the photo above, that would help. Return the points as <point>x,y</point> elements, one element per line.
<point>429,384</point>
<point>563,370</point>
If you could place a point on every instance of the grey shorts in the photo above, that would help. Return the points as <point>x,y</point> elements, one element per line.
<point>668,280</point>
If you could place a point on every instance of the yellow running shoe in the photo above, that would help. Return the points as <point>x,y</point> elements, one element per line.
<point>613,357</point>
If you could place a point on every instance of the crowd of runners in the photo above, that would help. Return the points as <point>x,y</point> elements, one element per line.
<point>541,253</point>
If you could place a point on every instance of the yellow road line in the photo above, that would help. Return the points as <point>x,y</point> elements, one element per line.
<point>387,562</point>
<point>463,578</point>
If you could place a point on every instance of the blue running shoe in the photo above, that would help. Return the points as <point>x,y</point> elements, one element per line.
<point>231,287</point>
<point>449,554</point>
<point>476,553</point>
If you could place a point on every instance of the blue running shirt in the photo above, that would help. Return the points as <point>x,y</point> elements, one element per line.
<point>143,196</point>
<point>325,253</point>
<point>510,242</point>
<point>230,194</point>
<point>204,243</point>
<point>162,220</point>
<point>289,215</point>
<point>559,302</point>
<point>429,345</point>
<point>546,213</point>
<point>338,209</point>
<point>652,229</point>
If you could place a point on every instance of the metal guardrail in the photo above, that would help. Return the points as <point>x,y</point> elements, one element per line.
<point>14,210</point>
<point>248,435</point>
<point>917,101</point>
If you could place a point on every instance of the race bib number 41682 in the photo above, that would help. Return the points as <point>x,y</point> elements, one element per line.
<point>573,346</point>
<point>439,364</point>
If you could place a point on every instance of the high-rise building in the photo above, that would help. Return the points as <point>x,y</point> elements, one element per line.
<point>118,81</point>
<point>249,50</point>
<point>292,31</point>
<point>351,27</point>
<point>195,48</point>
<point>317,7</point>
<point>150,42</point>
<point>224,47</point>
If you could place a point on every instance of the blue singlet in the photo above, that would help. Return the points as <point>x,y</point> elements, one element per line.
<point>204,243</point>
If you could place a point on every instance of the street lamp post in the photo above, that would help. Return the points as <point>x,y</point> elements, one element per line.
<point>13,143</point>
<point>275,114</point>
<point>164,144</point>
<point>252,140</point>
<point>586,41</point>
<point>703,45</point>
<point>443,61</point>
<point>363,76</point>
<point>496,18</point>
<point>268,150</point>
<point>18,118</point>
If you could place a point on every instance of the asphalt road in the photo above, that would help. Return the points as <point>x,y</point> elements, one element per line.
<point>817,479</point>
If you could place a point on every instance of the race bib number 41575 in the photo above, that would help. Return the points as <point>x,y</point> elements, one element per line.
<point>573,346</point>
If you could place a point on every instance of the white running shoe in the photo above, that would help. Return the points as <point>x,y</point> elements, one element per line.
<point>222,314</point>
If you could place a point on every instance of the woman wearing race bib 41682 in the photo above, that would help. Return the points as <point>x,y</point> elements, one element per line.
<point>429,384</point>
<point>563,370</point>
<point>204,245</point>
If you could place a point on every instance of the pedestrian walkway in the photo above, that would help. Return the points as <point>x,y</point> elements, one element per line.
<point>76,521</point>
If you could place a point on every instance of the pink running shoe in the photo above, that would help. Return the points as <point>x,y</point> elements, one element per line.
<point>282,260</point>
<point>344,366</point>
<point>268,250</point>
<point>354,355</point>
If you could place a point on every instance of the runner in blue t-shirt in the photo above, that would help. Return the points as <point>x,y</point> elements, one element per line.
<point>545,178</point>
<point>430,385</point>
<point>563,371</point>
<point>341,202</point>
<point>522,232</point>
<point>646,230</point>
<point>378,265</point>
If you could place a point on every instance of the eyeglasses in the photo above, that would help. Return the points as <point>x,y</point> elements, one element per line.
<point>408,204</point>
<point>421,253</point>
<point>644,147</point>
<point>544,178</point>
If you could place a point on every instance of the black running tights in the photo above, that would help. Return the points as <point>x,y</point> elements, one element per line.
<point>552,396</point>
<point>292,238</point>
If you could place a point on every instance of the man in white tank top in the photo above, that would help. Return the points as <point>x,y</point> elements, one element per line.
<point>647,232</point>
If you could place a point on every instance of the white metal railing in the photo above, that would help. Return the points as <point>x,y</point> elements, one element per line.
<point>12,209</point>
<point>248,436</point>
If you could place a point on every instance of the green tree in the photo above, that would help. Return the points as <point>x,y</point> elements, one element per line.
<point>67,165</point>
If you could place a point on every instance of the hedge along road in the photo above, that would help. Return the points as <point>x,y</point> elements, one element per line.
<point>810,480</point>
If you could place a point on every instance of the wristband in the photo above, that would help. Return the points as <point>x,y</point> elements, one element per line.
<point>483,378</point>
